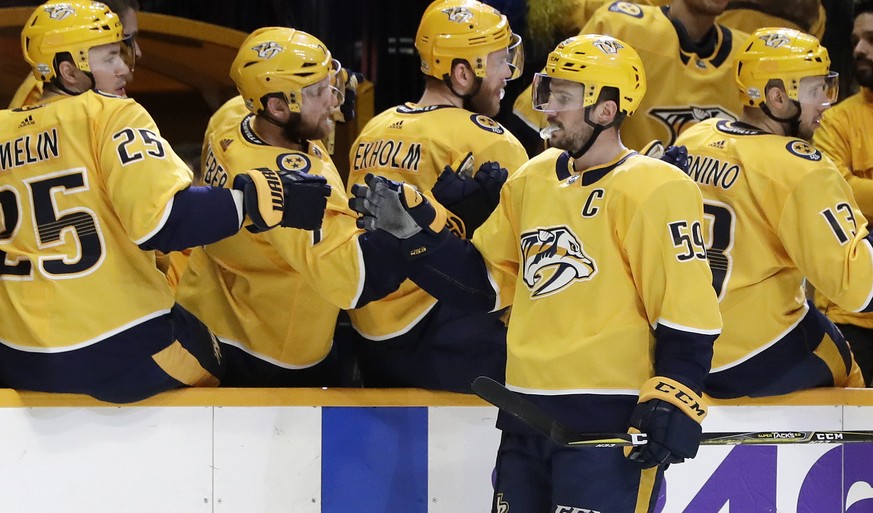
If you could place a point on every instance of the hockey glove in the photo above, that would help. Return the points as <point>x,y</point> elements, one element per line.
<point>677,156</point>
<point>471,200</point>
<point>347,83</point>
<point>669,413</point>
<point>290,199</point>
<point>394,207</point>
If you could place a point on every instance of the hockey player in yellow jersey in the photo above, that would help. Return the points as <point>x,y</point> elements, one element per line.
<point>843,136</point>
<point>272,298</point>
<point>468,52</point>
<point>778,211</point>
<point>88,189</point>
<point>688,57</point>
<point>599,250</point>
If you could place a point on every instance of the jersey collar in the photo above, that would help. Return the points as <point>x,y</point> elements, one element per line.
<point>564,168</point>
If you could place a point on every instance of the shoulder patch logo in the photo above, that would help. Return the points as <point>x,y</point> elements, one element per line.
<point>803,150</point>
<point>268,50</point>
<point>553,259</point>
<point>293,162</point>
<point>486,123</point>
<point>629,8</point>
<point>679,118</point>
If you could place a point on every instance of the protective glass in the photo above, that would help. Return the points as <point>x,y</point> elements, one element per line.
<point>515,58</point>
<point>555,94</point>
<point>819,90</point>
<point>338,79</point>
<point>128,51</point>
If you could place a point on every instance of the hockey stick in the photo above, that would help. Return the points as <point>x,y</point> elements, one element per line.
<point>516,405</point>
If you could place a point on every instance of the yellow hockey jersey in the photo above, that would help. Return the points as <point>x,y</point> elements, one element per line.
<point>843,136</point>
<point>687,83</point>
<point>414,144</point>
<point>276,294</point>
<point>777,211</point>
<point>592,263</point>
<point>83,181</point>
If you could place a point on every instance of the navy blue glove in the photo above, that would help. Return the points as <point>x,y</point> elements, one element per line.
<point>669,413</point>
<point>471,200</point>
<point>288,198</point>
<point>347,81</point>
<point>677,156</point>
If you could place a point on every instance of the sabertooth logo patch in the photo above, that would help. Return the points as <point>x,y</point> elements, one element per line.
<point>268,50</point>
<point>678,119</point>
<point>775,40</point>
<point>553,259</point>
<point>59,11</point>
<point>458,14</point>
<point>608,46</point>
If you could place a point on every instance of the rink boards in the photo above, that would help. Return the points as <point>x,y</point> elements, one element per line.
<point>369,451</point>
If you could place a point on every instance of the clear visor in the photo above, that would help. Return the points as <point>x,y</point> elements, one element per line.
<point>819,90</point>
<point>515,58</point>
<point>555,94</point>
<point>338,79</point>
<point>127,48</point>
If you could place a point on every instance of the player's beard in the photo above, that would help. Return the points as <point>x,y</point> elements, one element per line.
<point>482,103</point>
<point>296,130</point>
<point>864,72</point>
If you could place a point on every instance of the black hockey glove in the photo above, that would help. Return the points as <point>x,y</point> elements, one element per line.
<point>347,81</point>
<point>669,413</point>
<point>470,199</point>
<point>288,198</point>
<point>677,156</point>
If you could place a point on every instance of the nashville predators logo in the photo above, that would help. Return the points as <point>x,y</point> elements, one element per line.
<point>268,50</point>
<point>502,505</point>
<point>458,14</point>
<point>59,11</point>
<point>486,123</point>
<point>803,150</point>
<point>775,40</point>
<point>293,162</point>
<point>678,119</point>
<point>629,8</point>
<point>553,259</point>
<point>608,46</point>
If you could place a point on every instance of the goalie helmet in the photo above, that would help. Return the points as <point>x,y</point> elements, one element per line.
<point>280,60</point>
<point>75,27</point>
<point>467,30</point>
<point>782,54</point>
<point>595,61</point>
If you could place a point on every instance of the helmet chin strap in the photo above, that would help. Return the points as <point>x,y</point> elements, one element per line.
<point>465,98</point>
<point>792,121</point>
<point>598,128</point>
<point>59,84</point>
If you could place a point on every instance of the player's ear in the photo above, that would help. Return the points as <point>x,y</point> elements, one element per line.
<point>462,76</point>
<point>276,107</point>
<point>67,72</point>
<point>775,94</point>
<point>606,112</point>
